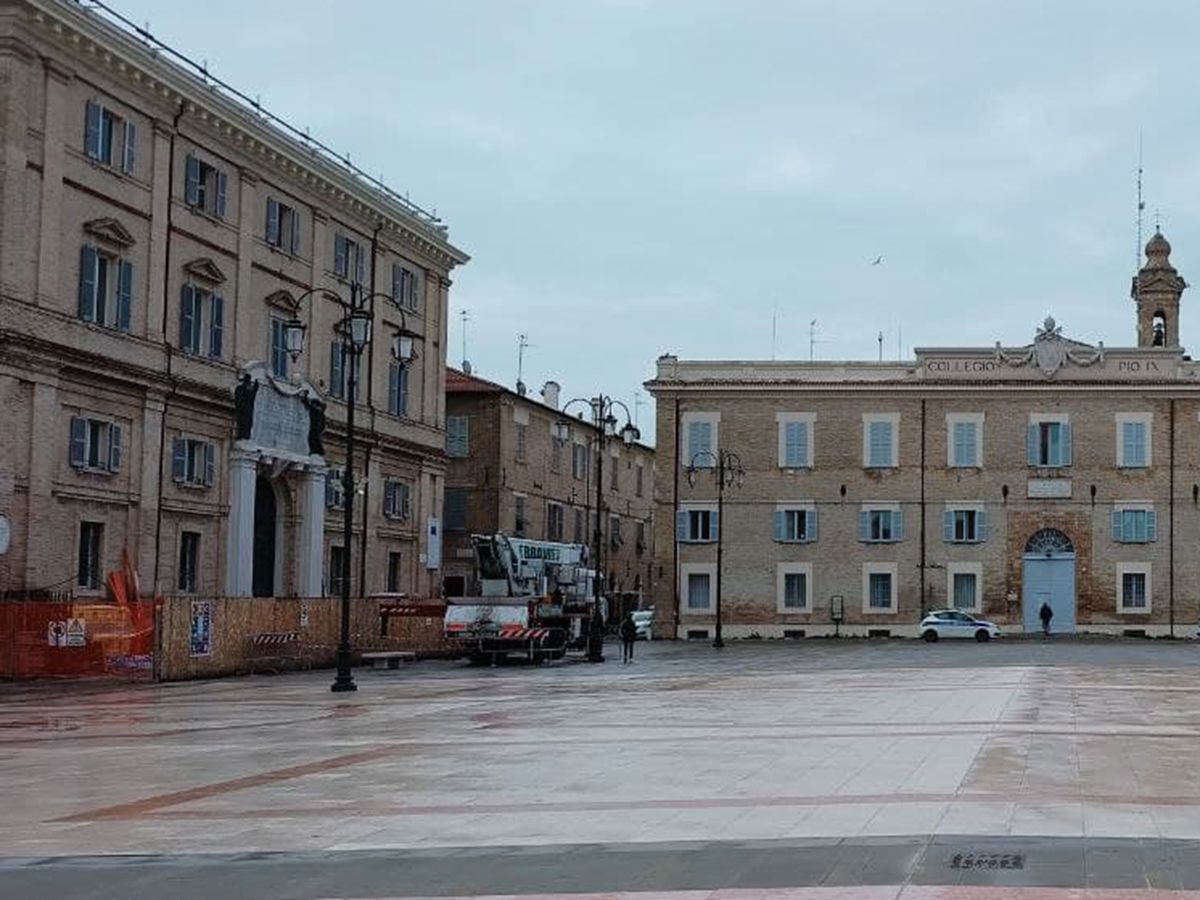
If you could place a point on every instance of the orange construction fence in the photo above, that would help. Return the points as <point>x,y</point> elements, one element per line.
<point>69,639</point>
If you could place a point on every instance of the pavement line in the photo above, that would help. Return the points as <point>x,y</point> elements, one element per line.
<point>866,892</point>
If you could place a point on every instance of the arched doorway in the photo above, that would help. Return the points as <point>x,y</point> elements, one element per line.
<point>265,519</point>
<point>1049,577</point>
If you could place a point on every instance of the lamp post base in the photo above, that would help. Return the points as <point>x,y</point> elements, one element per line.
<point>345,677</point>
<point>719,642</point>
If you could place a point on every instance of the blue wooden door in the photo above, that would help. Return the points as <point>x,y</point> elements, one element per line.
<point>1049,580</point>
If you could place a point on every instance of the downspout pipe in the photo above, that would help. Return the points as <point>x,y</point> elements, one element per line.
<point>675,464</point>
<point>1171,525</point>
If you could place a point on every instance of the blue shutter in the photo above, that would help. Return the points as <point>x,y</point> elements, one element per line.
<point>714,525</point>
<point>948,526</point>
<point>217,326</point>
<point>222,192</point>
<point>981,525</point>
<point>1118,525</point>
<point>295,248</point>
<point>681,525</point>
<point>1151,526</point>
<point>337,375</point>
<point>792,451</point>
<point>693,442</point>
<point>129,148</point>
<point>191,181</point>
<point>187,318</point>
<point>210,463</point>
<point>272,221</point>
<point>124,294</point>
<point>79,430</point>
<point>178,460</point>
<point>114,447</point>
<point>1031,444</point>
<point>1065,445</point>
<point>898,525</point>
<point>864,525</point>
<point>780,525</point>
<point>339,255</point>
<point>810,530</point>
<point>91,130</point>
<point>403,398</point>
<point>87,283</point>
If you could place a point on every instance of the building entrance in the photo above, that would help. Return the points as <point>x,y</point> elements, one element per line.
<point>1048,576</point>
<point>265,520</point>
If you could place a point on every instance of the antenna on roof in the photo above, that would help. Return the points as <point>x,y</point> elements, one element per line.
<point>465,315</point>
<point>774,330</point>
<point>522,343</point>
<point>812,338</point>
<point>1141,207</point>
<point>880,339</point>
<point>899,342</point>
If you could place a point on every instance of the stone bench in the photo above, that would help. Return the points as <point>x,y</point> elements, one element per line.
<point>390,659</point>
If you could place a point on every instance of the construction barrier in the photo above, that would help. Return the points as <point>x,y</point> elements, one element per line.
<point>66,639</point>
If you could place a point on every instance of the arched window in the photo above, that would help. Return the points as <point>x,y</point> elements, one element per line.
<point>1049,541</point>
<point>1158,326</point>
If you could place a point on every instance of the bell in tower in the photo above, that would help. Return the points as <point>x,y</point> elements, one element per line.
<point>1156,290</point>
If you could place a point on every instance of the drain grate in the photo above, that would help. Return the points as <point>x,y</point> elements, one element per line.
<point>987,861</point>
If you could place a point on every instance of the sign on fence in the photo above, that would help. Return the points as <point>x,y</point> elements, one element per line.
<point>56,633</point>
<point>76,633</point>
<point>201,630</point>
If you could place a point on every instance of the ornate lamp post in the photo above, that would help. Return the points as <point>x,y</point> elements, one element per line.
<point>355,329</point>
<point>604,420</point>
<point>727,471</point>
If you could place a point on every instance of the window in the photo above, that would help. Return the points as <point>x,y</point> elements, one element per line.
<point>1133,440</point>
<point>881,525</point>
<point>335,488</point>
<point>796,525</point>
<point>963,581</point>
<point>1048,442</point>
<point>397,499</point>
<point>201,322</point>
<point>793,581</point>
<point>283,226</point>
<point>554,522</point>
<point>340,374</point>
<point>696,526</point>
<point>614,532</point>
<point>640,480</point>
<point>456,508</point>
<point>192,462</point>
<point>95,444</point>
<point>614,473</point>
<point>964,443</point>
<point>964,525</point>
<point>107,137</point>
<point>404,286</point>
<point>879,588</point>
<point>519,522</point>
<point>879,440</point>
<point>1133,588</point>
<point>349,260</point>
<point>189,559</point>
<point>393,572</point>
<point>457,431</point>
<point>105,288</point>
<point>795,439</point>
<point>397,389</point>
<point>699,432</point>
<point>521,439</point>
<point>579,461</point>
<point>579,530</point>
<point>556,454</point>
<point>337,570</point>
<point>696,584</point>
<point>1134,524</point>
<point>640,546</point>
<point>91,545</point>
<point>279,353</point>
<point>205,187</point>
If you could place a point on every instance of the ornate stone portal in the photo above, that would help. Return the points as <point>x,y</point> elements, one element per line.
<point>278,431</point>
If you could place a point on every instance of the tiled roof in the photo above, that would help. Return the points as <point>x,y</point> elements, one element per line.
<point>458,382</point>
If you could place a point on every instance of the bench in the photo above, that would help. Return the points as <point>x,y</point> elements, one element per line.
<point>276,647</point>
<point>390,659</point>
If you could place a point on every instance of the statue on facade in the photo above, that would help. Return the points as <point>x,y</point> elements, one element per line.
<point>316,423</point>
<point>243,407</point>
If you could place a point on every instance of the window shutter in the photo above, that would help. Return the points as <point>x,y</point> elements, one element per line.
<point>330,477</point>
<point>295,248</point>
<point>397,284</point>
<point>339,255</point>
<point>272,221</point>
<point>864,525</point>
<point>981,525</point>
<point>394,389</point>
<point>187,314</point>
<point>210,463</point>
<point>1031,444</point>
<point>714,526</point>
<point>693,444</point>
<point>87,283</point>
<point>129,148</point>
<point>780,525</point>
<point>898,525</point>
<point>216,327</point>
<point>191,181</point>
<point>1066,444</point>
<point>1151,526</point>
<point>360,264</point>
<point>124,294</point>
<point>389,498</point>
<point>403,390</point>
<point>406,507</point>
<point>91,132</point>
<point>114,447</point>
<point>948,526</point>
<point>1118,525</point>
<point>222,192</point>
<point>178,460</point>
<point>681,525</point>
<point>810,529</point>
<point>79,429</point>
<point>337,374</point>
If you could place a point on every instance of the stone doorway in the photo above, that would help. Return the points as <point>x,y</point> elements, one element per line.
<point>266,521</point>
<point>1048,576</point>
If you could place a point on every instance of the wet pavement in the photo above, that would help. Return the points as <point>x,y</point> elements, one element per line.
<point>817,769</point>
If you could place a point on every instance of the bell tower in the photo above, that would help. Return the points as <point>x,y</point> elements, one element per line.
<point>1156,290</point>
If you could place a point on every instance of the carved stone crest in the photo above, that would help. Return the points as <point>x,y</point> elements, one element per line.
<point>1051,351</point>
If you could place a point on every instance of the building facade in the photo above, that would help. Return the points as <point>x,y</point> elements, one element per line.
<point>991,479</point>
<point>510,473</point>
<point>157,235</point>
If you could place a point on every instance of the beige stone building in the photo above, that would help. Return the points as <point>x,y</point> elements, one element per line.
<point>510,473</point>
<point>989,479</point>
<point>157,233</point>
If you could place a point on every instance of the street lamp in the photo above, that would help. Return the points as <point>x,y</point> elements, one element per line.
<point>355,329</point>
<point>604,420</point>
<point>727,472</point>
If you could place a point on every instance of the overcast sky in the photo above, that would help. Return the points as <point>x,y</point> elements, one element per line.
<point>633,177</point>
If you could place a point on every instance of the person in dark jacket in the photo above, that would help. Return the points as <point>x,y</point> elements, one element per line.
<point>1046,614</point>
<point>628,638</point>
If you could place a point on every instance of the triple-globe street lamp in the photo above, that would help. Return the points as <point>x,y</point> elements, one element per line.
<point>604,421</point>
<point>355,331</point>
<point>727,470</point>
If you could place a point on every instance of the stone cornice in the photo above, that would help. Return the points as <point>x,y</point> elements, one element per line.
<point>86,37</point>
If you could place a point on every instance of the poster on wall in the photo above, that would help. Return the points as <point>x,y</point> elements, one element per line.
<point>201,632</point>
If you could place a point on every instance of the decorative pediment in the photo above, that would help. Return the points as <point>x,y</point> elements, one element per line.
<point>283,299</point>
<point>1050,350</point>
<point>110,231</point>
<point>204,269</point>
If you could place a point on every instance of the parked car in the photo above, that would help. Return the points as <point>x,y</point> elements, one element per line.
<point>644,620</point>
<point>954,623</point>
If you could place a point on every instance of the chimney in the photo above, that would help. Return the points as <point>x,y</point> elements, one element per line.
<point>466,367</point>
<point>521,389</point>
<point>550,393</point>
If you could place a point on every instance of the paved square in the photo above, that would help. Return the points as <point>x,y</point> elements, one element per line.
<point>830,764</point>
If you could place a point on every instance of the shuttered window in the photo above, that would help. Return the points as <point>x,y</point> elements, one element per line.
<point>105,288</point>
<point>457,436</point>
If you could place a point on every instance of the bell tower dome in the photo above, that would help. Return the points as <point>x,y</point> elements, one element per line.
<point>1156,290</point>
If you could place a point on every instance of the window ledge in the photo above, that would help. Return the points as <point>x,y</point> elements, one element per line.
<point>93,470</point>
<point>1133,611</point>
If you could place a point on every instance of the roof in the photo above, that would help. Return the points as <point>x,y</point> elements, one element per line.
<point>459,382</point>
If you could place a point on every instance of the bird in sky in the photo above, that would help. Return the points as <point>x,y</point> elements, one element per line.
<point>877,260</point>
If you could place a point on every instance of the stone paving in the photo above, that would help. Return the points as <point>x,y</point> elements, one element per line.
<point>768,766</point>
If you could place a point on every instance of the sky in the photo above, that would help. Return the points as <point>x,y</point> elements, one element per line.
<point>636,177</point>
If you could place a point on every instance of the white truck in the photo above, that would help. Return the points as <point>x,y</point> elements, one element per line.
<point>535,600</point>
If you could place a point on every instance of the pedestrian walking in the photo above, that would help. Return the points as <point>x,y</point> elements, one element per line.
<point>628,638</point>
<point>1046,614</point>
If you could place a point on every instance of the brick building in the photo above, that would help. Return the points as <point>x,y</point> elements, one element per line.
<point>509,473</point>
<point>989,479</point>
<point>157,234</point>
